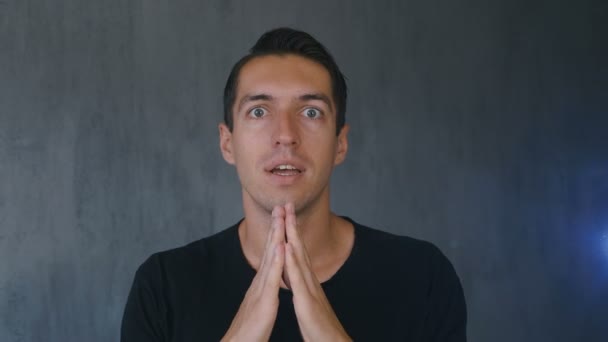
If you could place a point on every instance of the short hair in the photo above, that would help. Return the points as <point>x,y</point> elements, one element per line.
<point>283,41</point>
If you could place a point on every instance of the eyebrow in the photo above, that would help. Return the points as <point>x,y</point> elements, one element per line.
<point>318,97</point>
<point>305,97</point>
<point>253,98</point>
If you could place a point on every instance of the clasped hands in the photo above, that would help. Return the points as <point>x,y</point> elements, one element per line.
<point>285,257</point>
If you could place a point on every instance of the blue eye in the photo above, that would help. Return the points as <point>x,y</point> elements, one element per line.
<point>313,113</point>
<point>257,112</point>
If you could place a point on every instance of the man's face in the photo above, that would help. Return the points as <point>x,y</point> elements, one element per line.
<point>284,142</point>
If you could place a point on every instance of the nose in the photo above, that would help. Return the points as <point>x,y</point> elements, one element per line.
<point>286,132</point>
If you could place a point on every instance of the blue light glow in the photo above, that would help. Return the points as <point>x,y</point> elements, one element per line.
<point>604,243</point>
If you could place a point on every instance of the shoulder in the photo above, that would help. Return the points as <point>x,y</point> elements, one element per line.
<point>404,256</point>
<point>418,269</point>
<point>391,244</point>
<point>195,255</point>
<point>168,281</point>
<point>415,277</point>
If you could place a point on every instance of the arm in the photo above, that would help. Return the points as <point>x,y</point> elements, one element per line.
<point>144,312</point>
<point>446,316</point>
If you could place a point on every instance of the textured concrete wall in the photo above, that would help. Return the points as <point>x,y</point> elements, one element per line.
<point>478,125</point>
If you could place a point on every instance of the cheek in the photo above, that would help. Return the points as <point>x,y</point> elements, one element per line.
<point>243,143</point>
<point>324,151</point>
<point>246,151</point>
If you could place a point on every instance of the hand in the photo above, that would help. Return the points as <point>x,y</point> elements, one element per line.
<point>316,318</point>
<point>258,311</point>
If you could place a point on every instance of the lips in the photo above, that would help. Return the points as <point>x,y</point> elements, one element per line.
<point>285,167</point>
<point>285,170</point>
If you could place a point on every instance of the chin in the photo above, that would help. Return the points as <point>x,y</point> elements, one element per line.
<point>267,201</point>
<point>268,204</point>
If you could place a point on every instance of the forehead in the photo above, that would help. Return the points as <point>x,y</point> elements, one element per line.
<point>283,76</point>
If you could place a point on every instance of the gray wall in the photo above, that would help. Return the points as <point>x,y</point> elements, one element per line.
<point>478,125</point>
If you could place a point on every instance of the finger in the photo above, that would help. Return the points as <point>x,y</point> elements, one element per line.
<point>275,271</point>
<point>296,278</point>
<point>278,239</point>
<point>279,223</point>
<point>268,241</point>
<point>291,226</point>
<point>300,252</point>
<point>293,236</point>
<point>274,235</point>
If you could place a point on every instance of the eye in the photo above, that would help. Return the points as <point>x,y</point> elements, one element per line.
<point>257,112</point>
<point>312,113</point>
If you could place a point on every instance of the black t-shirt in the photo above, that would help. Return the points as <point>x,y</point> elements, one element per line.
<point>391,288</point>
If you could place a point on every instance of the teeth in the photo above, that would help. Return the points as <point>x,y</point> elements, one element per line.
<point>286,167</point>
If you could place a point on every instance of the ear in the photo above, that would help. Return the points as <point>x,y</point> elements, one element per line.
<point>226,143</point>
<point>342,145</point>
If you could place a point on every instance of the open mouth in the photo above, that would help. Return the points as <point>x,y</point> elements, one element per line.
<point>285,170</point>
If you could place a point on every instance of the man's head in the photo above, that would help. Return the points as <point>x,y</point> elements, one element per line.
<point>284,41</point>
<point>282,115</point>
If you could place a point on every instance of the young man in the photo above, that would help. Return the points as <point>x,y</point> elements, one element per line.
<point>291,269</point>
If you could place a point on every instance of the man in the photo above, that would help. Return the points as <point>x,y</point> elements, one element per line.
<point>291,269</point>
